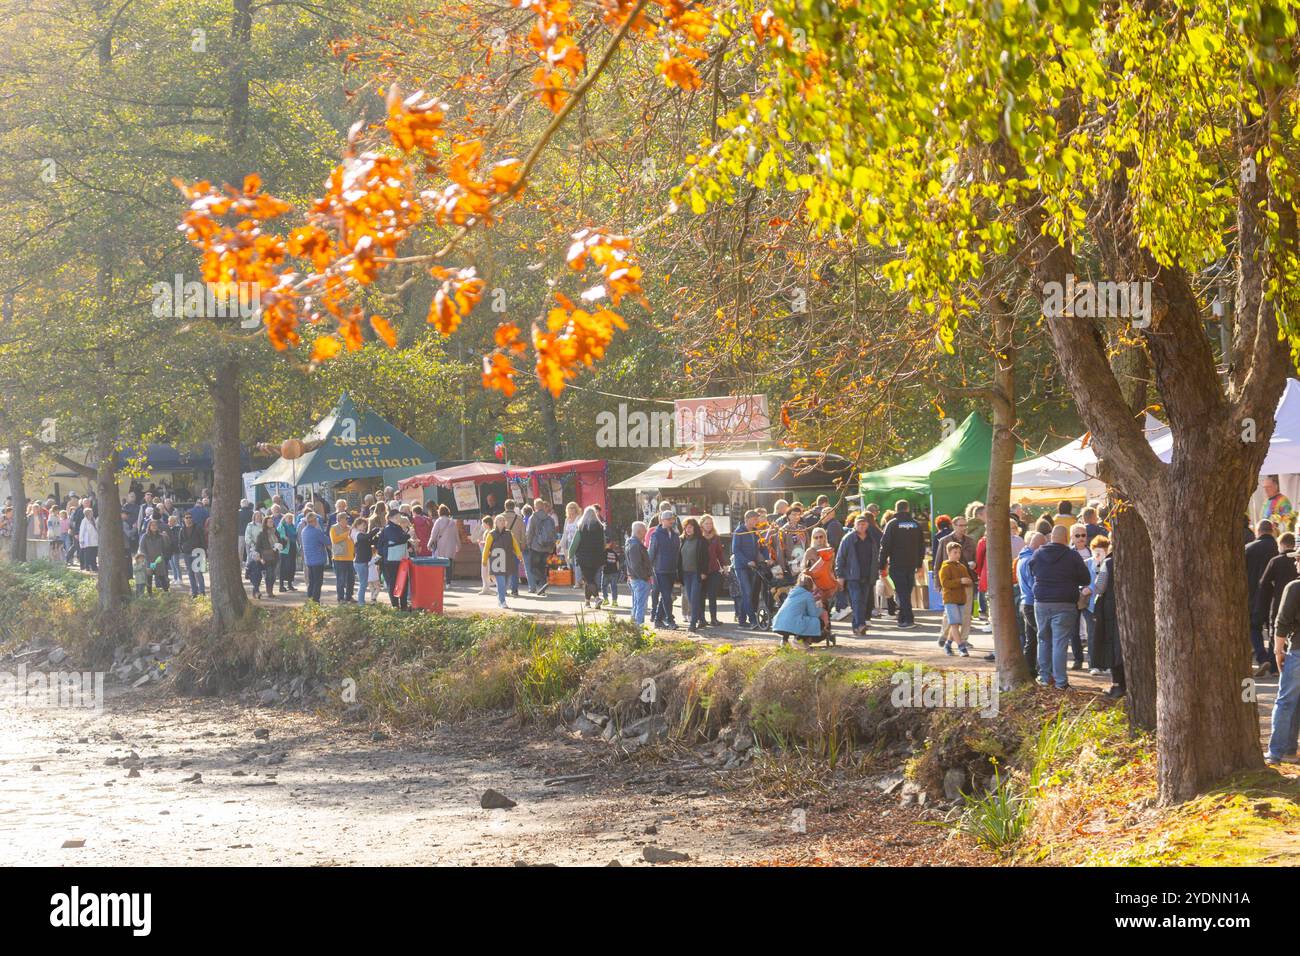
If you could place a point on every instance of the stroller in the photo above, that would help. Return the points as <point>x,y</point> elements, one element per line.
<point>771,587</point>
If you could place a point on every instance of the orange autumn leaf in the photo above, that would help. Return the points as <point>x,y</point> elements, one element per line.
<point>325,348</point>
<point>680,72</point>
<point>549,88</point>
<point>508,337</point>
<point>416,122</point>
<point>384,330</point>
<point>499,373</point>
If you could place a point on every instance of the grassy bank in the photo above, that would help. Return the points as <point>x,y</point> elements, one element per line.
<point>1048,780</point>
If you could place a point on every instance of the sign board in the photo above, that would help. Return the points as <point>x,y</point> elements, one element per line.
<point>724,420</point>
<point>466,496</point>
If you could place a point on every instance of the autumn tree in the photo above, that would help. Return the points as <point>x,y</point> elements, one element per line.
<point>1157,134</point>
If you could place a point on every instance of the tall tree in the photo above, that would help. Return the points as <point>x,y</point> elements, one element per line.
<point>1056,135</point>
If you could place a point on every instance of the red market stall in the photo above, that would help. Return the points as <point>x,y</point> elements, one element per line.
<point>476,487</point>
<point>466,484</point>
<point>583,480</point>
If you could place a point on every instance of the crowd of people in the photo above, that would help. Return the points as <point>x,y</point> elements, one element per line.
<point>791,571</point>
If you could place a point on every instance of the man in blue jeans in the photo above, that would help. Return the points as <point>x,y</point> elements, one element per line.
<point>315,555</point>
<point>1286,706</point>
<point>639,570</point>
<point>744,559</point>
<point>665,551</point>
<point>1058,572</point>
<point>855,567</point>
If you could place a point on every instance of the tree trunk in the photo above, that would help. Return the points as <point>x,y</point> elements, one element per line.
<point>114,564</point>
<point>18,497</point>
<point>1134,574</point>
<point>1012,669</point>
<point>1205,731</point>
<point>229,600</point>
<point>1135,613</point>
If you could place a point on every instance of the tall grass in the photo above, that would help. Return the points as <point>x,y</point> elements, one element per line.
<point>997,819</point>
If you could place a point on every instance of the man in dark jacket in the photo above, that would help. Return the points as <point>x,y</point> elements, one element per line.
<point>744,562</point>
<point>639,570</point>
<point>665,554</point>
<point>902,552</point>
<point>1286,650</point>
<point>540,536</point>
<point>156,548</point>
<point>1278,573</point>
<point>1258,554</point>
<point>1058,574</point>
<point>855,567</point>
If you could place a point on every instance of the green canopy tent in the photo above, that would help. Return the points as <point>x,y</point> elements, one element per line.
<point>945,479</point>
<point>348,443</point>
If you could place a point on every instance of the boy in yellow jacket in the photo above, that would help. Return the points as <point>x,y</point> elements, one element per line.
<point>958,586</point>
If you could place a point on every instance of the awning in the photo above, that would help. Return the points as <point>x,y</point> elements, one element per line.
<point>476,471</point>
<point>759,471</point>
<point>659,478</point>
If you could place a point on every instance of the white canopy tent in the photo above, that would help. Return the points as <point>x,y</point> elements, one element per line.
<point>1283,458</point>
<point>1068,472</point>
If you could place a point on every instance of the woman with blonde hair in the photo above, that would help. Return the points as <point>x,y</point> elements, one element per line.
<point>572,515</point>
<point>501,556</point>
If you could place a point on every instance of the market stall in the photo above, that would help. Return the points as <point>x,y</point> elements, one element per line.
<point>582,480</point>
<point>1069,472</point>
<point>470,490</point>
<point>944,480</point>
<point>347,445</point>
<point>726,484</point>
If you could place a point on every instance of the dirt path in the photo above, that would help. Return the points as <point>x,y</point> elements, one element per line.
<point>316,793</point>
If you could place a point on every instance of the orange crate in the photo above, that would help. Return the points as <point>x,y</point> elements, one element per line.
<point>561,576</point>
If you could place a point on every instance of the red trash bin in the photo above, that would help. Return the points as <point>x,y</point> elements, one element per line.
<point>427,576</point>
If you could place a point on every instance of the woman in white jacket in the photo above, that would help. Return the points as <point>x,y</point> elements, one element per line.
<point>88,539</point>
<point>444,537</point>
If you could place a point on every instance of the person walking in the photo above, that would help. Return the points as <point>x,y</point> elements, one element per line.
<point>515,525</point>
<point>665,558</point>
<point>640,572</point>
<point>957,584</point>
<point>588,553</point>
<point>154,545</point>
<point>263,556</point>
<point>315,554</point>
<point>1059,574</point>
<point>501,557</point>
<point>902,553</point>
<point>1278,573</point>
<point>194,549</point>
<point>1282,741</point>
<point>1258,554</point>
<point>342,552</point>
<point>540,537</point>
<point>855,570</point>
